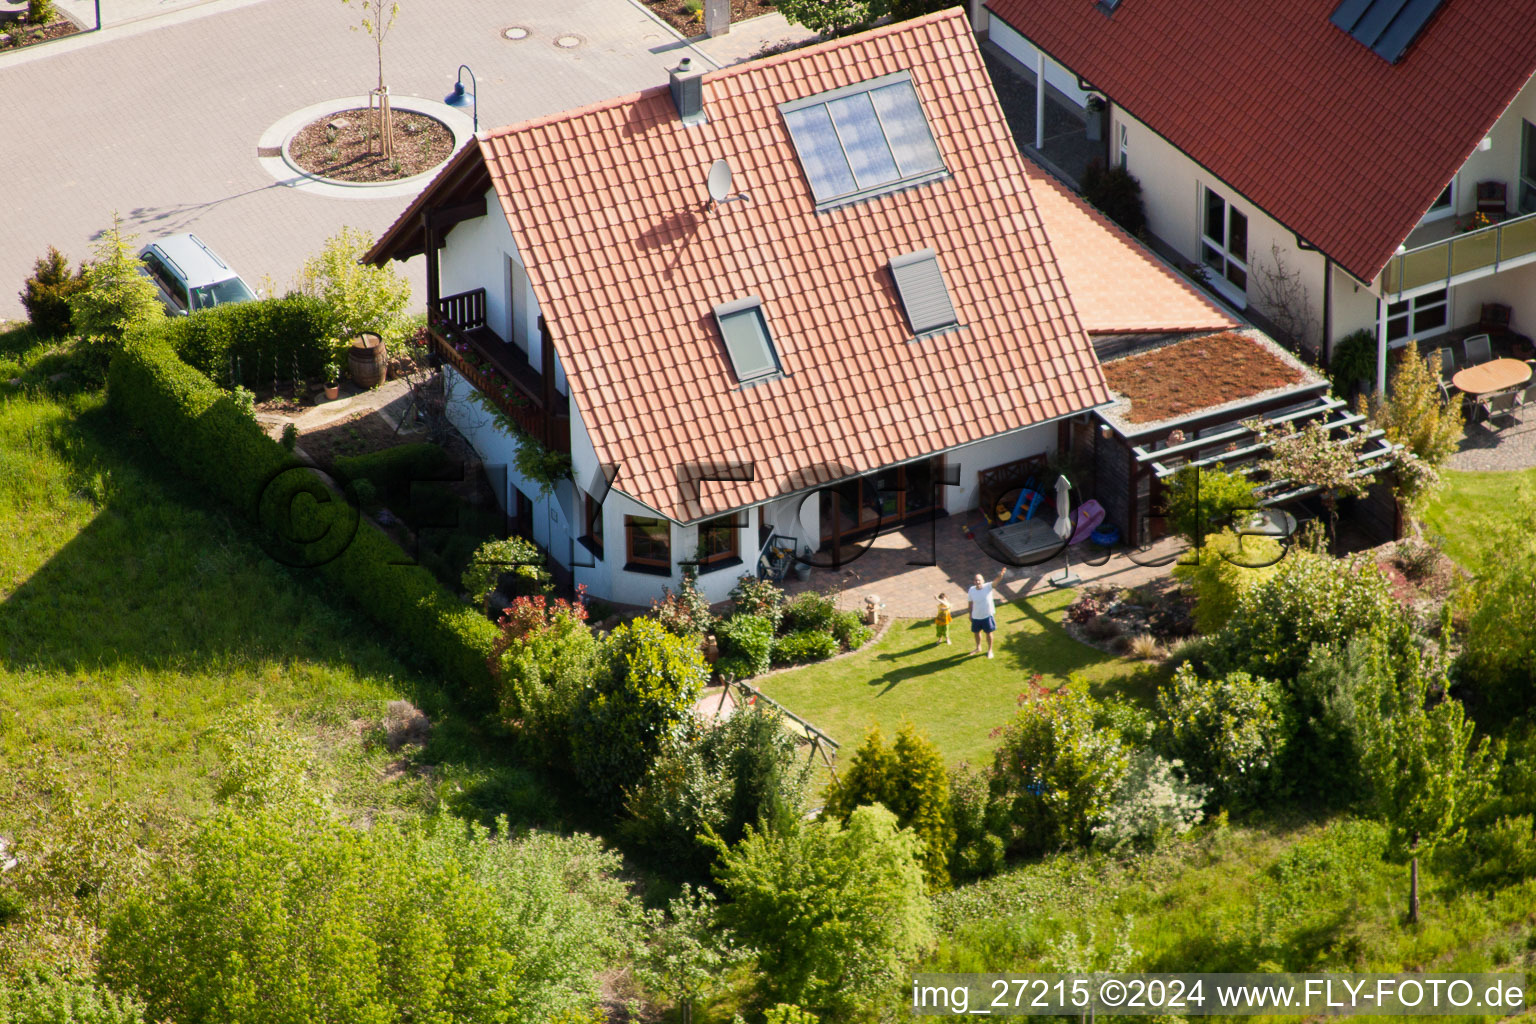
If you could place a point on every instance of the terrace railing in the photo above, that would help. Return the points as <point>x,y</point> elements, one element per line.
<point>1462,257</point>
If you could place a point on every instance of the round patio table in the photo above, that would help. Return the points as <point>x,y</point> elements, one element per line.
<point>1499,375</point>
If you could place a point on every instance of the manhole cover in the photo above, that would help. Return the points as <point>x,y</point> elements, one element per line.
<point>515,32</point>
<point>568,42</point>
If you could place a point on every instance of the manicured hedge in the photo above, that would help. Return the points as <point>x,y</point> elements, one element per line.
<point>201,429</point>
<point>394,469</point>
<point>247,342</point>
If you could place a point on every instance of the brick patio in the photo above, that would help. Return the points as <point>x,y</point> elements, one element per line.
<point>907,591</point>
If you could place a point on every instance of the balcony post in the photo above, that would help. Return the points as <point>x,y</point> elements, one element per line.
<point>547,375</point>
<point>1381,350</point>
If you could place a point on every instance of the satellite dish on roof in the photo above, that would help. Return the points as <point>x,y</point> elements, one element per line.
<point>720,181</point>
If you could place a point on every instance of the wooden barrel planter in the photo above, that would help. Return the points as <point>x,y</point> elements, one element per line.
<point>367,360</point>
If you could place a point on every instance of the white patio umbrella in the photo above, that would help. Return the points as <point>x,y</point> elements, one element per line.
<point>1064,530</point>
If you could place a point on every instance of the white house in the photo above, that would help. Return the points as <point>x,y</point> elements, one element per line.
<point>1347,141</point>
<point>790,301</point>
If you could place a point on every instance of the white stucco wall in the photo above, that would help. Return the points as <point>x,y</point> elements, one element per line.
<point>1502,161</point>
<point>1023,51</point>
<point>1354,305</point>
<point>994,451</point>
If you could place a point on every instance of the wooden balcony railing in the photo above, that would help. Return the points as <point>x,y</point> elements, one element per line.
<point>498,370</point>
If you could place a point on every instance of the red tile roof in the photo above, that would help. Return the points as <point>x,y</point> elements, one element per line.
<point>1116,285</point>
<point>1310,125</point>
<point>609,211</point>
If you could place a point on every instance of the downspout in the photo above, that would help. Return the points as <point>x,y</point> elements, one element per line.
<point>1327,311</point>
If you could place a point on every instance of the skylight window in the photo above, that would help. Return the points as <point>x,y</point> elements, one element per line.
<point>747,340</point>
<point>863,140</point>
<point>920,283</point>
<point>1388,27</point>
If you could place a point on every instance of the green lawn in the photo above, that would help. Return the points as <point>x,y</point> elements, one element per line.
<point>1466,514</point>
<point>134,614</point>
<point>956,698</point>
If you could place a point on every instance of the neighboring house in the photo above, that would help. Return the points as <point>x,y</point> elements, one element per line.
<point>871,315</point>
<point>1350,138</point>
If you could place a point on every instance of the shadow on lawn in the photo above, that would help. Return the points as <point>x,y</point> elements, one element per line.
<point>165,579</point>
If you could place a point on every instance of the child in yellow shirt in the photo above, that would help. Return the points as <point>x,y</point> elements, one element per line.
<point>941,621</point>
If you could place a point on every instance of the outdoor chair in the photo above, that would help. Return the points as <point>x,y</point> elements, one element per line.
<point>1526,399</point>
<point>1447,395</point>
<point>1477,349</point>
<point>1444,360</point>
<point>1502,404</point>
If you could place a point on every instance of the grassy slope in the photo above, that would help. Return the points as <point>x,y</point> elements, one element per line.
<point>1469,507</point>
<point>958,699</point>
<point>133,614</point>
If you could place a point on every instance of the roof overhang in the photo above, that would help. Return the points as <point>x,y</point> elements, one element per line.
<point>457,185</point>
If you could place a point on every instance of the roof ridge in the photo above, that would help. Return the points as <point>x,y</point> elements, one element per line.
<point>742,67</point>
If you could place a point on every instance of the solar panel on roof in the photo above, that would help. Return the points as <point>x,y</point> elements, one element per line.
<point>1388,27</point>
<point>863,139</point>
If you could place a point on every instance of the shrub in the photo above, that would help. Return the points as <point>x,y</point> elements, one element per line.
<point>799,648</point>
<point>640,696</point>
<point>745,770</point>
<point>1331,700</point>
<point>686,612</point>
<point>1055,773</point>
<point>394,469</point>
<point>747,640</point>
<point>1413,415</point>
<point>360,297</point>
<point>48,997</point>
<point>1310,599</point>
<point>1117,192</point>
<point>1202,500</point>
<point>205,434</point>
<point>542,661</point>
<point>1498,657</point>
<point>830,17</point>
<point>47,292</point>
<point>1230,731</point>
<point>1226,566</point>
<point>516,557</point>
<point>836,912</point>
<point>116,298</point>
<point>978,849</point>
<point>752,596</point>
<point>39,12</point>
<point>1353,360</point>
<point>1153,801</point>
<point>850,630</point>
<point>810,611</point>
<point>290,436</point>
<point>256,341</point>
<point>273,917</point>
<point>1143,647</point>
<point>732,666</point>
<point>909,779</point>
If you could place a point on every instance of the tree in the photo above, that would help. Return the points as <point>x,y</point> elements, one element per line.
<point>1280,291</point>
<point>910,780</point>
<point>1428,772</point>
<point>1055,772</point>
<point>1413,415</point>
<point>830,17</point>
<point>47,292</point>
<point>1117,192</point>
<point>1230,730</point>
<point>1313,457</point>
<point>378,17</point>
<point>1201,500</point>
<point>640,696</point>
<point>686,955</point>
<point>50,997</point>
<point>361,297</point>
<point>275,916</point>
<point>1225,568</point>
<point>835,912</point>
<point>117,296</point>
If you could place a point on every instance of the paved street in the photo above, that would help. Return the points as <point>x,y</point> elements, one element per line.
<point>160,121</point>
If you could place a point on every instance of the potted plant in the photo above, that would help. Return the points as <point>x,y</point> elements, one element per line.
<point>332,380</point>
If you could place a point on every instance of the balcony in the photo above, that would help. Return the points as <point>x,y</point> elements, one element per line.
<point>500,371</point>
<point>1462,257</point>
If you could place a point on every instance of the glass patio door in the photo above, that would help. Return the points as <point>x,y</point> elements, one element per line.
<point>1224,247</point>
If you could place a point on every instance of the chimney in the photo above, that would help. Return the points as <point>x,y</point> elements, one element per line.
<point>688,92</point>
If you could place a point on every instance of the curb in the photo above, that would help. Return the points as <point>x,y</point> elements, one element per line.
<point>271,149</point>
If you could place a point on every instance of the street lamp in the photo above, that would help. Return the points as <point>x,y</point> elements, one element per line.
<point>456,98</point>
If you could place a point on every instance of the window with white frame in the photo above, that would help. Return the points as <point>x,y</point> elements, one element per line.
<point>1420,316</point>
<point>1125,145</point>
<point>1224,246</point>
<point>1527,167</point>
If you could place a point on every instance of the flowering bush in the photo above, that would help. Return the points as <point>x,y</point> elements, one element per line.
<point>686,612</point>
<point>752,596</point>
<point>542,660</point>
<point>1311,599</point>
<point>1153,801</point>
<point>1229,730</point>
